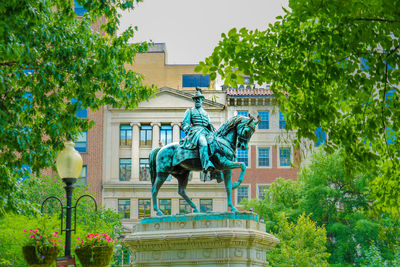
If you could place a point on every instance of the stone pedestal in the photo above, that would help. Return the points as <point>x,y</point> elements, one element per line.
<point>207,239</point>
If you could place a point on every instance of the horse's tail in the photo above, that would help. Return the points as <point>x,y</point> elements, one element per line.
<point>152,159</point>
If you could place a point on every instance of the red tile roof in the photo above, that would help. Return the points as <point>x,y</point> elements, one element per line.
<point>249,92</point>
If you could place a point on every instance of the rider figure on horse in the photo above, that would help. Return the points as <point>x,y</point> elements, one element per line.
<point>197,126</point>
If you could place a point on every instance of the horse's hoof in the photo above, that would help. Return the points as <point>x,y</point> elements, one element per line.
<point>235,185</point>
<point>233,209</point>
<point>159,213</point>
<point>196,211</point>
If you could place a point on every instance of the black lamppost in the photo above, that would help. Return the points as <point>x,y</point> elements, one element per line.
<point>69,167</point>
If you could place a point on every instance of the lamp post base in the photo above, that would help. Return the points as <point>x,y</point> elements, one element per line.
<point>66,261</point>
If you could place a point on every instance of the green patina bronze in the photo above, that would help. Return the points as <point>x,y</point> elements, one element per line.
<point>203,149</point>
<point>202,217</point>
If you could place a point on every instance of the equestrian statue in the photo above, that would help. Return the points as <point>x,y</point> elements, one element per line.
<point>203,149</point>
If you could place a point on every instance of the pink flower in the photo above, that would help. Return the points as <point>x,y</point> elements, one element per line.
<point>37,241</point>
<point>31,236</point>
<point>25,231</point>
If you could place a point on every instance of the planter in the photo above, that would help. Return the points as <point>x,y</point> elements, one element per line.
<point>94,256</point>
<point>40,256</point>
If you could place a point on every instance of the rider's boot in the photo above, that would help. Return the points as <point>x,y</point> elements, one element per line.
<point>205,160</point>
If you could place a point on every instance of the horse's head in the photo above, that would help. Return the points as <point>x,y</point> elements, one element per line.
<point>245,130</point>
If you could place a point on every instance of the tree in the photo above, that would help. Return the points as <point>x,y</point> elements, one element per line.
<point>301,244</point>
<point>337,200</point>
<point>53,64</point>
<point>331,64</point>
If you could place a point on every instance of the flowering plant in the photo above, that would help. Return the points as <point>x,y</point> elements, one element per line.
<point>40,248</point>
<point>38,238</point>
<point>95,240</point>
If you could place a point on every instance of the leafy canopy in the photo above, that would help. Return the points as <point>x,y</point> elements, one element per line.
<point>53,64</point>
<point>335,65</point>
<point>336,200</point>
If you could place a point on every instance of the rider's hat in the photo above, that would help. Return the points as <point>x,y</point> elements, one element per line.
<point>198,94</point>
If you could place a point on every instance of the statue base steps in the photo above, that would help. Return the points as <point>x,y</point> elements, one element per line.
<point>206,239</point>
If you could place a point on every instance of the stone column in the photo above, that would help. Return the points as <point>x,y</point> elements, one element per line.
<point>135,151</point>
<point>156,134</point>
<point>176,131</point>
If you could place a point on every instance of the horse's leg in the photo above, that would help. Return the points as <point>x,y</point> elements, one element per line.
<point>182,183</point>
<point>228,165</point>
<point>160,179</point>
<point>228,188</point>
<point>241,175</point>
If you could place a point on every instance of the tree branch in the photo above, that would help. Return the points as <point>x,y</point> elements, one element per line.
<point>376,19</point>
<point>10,63</point>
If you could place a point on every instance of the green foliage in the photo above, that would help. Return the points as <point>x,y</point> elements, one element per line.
<point>281,196</point>
<point>337,200</point>
<point>331,64</point>
<point>87,219</point>
<point>13,237</point>
<point>302,244</point>
<point>68,60</point>
<point>38,189</point>
<point>372,256</point>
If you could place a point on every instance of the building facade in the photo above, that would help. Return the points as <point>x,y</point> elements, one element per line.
<point>130,135</point>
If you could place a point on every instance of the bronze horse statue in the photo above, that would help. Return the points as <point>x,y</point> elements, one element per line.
<point>174,160</point>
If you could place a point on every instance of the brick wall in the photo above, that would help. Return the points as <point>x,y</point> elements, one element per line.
<point>254,175</point>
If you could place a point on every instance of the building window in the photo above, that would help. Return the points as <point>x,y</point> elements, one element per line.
<point>124,208</point>
<point>194,80</point>
<point>321,136</point>
<point>261,191</point>
<point>242,156</point>
<point>125,135</point>
<point>244,113</point>
<point>81,142</point>
<point>81,113</point>
<point>264,123</point>
<point>184,207</point>
<point>284,156</point>
<point>125,169</point>
<point>166,134</point>
<point>144,170</point>
<point>146,135</point>
<point>263,157</point>
<point>144,208</point>
<point>165,206</point>
<point>282,121</point>
<point>206,205</point>
<point>82,180</point>
<point>242,192</point>
<point>79,9</point>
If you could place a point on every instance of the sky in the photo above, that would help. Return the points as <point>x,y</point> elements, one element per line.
<point>192,28</point>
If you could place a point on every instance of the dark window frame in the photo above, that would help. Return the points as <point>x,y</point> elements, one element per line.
<point>146,134</point>
<point>264,123</point>
<point>123,210</point>
<point>143,204</point>
<point>206,207</point>
<point>162,206</point>
<point>166,134</point>
<point>282,156</point>
<point>125,165</point>
<point>144,163</point>
<point>184,207</point>
<point>81,146</point>
<point>241,158</point>
<point>262,157</point>
<point>195,80</point>
<point>125,129</point>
